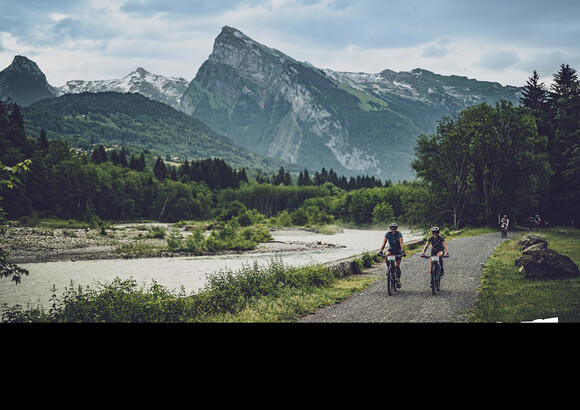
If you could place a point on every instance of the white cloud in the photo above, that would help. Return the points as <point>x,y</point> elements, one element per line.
<point>95,39</point>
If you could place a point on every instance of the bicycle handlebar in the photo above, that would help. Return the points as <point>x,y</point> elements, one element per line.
<point>442,256</point>
<point>403,254</point>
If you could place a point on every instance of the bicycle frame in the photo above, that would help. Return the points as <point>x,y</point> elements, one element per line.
<point>435,278</point>
<point>391,277</point>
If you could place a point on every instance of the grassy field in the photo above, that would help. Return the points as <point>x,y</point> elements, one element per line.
<point>506,296</point>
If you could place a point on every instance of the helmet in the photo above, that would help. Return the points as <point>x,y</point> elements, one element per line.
<point>435,229</point>
<point>394,225</point>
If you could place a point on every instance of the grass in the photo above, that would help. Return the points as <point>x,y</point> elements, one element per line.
<point>507,296</point>
<point>274,293</point>
<point>293,303</point>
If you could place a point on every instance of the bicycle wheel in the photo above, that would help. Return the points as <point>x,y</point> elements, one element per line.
<point>390,282</point>
<point>434,276</point>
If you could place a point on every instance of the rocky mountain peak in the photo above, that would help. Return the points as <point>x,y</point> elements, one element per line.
<point>21,64</point>
<point>24,83</point>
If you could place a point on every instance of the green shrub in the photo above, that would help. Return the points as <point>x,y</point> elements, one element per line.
<point>156,232</point>
<point>357,266</point>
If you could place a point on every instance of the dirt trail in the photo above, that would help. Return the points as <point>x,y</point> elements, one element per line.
<point>414,302</point>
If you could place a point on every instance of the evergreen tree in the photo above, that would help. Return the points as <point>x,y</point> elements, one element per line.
<point>99,155</point>
<point>564,147</point>
<point>115,157</point>
<point>142,163</point>
<point>42,143</point>
<point>123,158</point>
<point>134,163</point>
<point>159,169</point>
<point>534,95</point>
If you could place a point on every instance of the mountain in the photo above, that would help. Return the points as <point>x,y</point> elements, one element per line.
<point>355,123</point>
<point>167,90</point>
<point>133,120</point>
<point>24,83</point>
<point>273,105</point>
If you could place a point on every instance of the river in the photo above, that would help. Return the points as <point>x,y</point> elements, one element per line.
<point>173,273</point>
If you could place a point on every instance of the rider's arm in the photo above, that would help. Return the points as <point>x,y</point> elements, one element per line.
<point>426,246</point>
<point>445,246</point>
<point>401,242</point>
<point>384,243</point>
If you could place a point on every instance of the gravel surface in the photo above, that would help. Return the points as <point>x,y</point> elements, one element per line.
<point>414,302</point>
<point>35,245</point>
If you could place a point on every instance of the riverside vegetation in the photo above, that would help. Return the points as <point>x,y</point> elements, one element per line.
<point>507,296</point>
<point>464,179</point>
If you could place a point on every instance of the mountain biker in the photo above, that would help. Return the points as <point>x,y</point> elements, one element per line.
<point>396,247</point>
<point>505,221</point>
<point>438,245</point>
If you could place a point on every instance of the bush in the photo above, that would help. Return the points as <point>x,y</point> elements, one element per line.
<point>228,237</point>
<point>230,292</point>
<point>368,259</point>
<point>118,301</point>
<point>357,266</point>
<point>156,232</point>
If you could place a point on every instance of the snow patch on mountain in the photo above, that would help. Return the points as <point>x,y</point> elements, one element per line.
<point>157,87</point>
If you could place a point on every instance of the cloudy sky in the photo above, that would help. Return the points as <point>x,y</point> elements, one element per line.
<point>492,40</point>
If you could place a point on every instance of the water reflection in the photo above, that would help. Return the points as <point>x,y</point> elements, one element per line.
<point>173,273</point>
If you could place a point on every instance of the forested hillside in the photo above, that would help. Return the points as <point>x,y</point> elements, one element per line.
<point>135,121</point>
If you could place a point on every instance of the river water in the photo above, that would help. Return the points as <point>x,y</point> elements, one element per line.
<point>173,273</point>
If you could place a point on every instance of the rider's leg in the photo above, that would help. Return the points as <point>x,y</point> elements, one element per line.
<point>440,254</point>
<point>398,266</point>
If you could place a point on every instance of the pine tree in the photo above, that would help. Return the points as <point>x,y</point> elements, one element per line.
<point>535,94</point>
<point>142,163</point>
<point>42,142</point>
<point>565,145</point>
<point>159,169</point>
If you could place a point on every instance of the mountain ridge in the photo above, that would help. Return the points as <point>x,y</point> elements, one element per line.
<point>272,104</point>
<point>356,123</point>
<point>167,90</point>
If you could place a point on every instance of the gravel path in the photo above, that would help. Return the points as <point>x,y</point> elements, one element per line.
<point>414,302</point>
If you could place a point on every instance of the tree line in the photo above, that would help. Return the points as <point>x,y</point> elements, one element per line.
<point>487,161</point>
<point>119,185</point>
<point>504,159</point>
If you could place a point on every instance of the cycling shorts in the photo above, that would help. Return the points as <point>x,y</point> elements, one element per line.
<point>398,254</point>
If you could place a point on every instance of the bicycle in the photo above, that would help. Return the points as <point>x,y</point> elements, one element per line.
<point>504,230</point>
<point>435,272</point>
<point>392,272</point>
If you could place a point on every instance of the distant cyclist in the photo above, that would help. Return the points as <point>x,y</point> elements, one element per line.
<point>396,248</point>
<point>438,245</point>
<point>505,221</point>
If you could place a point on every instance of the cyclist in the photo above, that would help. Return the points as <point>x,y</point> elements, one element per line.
<point>396,247</point>
<point>438,245</point>
<point>505,221</point>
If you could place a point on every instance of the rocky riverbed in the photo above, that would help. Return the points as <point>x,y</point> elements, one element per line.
<point>45,244</point>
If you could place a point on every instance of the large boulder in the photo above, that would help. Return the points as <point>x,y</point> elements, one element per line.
<point>547,264</point>
<point>541,246</point>
<point>532,239</point>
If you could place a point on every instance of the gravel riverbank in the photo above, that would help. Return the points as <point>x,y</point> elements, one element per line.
<point>40,244</point>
